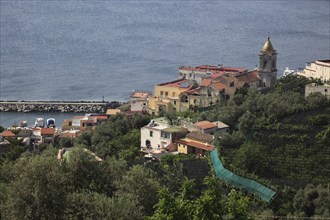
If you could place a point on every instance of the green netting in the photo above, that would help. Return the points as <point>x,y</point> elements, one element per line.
<point>249,185</point>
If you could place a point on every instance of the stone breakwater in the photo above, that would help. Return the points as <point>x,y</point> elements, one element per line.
<point>57,106</point>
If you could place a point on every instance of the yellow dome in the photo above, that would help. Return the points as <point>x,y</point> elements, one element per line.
<point>268,47</point>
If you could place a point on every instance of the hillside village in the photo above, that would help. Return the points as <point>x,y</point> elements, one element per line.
<point>213,139</point>
<point>196,88</point>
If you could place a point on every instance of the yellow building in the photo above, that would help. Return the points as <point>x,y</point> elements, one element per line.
<point>167,96</point>
<point>320,69</point>
<point>195,143</point>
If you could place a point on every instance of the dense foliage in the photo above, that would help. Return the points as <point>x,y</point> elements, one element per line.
<point>279,138</point>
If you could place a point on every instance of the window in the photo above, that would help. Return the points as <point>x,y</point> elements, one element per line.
<point>151,133</point>
<point>174,102</point>
<point>165,135</point>
<point>325,90</point>
<point>161,93</point>
<point>195,101</point>
<point>184,98</point>
<point>166,93</point>
<point>173,94</point>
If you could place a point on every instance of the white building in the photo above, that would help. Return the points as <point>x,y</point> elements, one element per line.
<point>139,101</point>
<point>320,69</point>
<point>158,134</point>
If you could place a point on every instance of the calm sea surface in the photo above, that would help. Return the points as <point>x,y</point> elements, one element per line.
<point>83,50</point>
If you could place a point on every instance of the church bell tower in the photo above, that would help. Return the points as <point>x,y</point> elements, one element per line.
<point>267,65</point>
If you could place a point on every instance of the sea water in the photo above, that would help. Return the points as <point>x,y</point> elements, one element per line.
<point>86,50</point>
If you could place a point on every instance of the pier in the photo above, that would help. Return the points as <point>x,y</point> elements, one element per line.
<point>57,106</point>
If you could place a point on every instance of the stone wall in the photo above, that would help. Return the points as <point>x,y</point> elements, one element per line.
<point>49,106</point>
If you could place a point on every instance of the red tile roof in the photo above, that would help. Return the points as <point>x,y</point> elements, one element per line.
<point>248,77</point>
<point>217,74</point>
<point>172,83</point>
<point>219,86</point>
<point>197,136</point>
<point>206,82</point>
<point>213,68</point>
<point>8,134</point>
<point>205,125</point>
<point>47,131</point>
<point>140,94</point>
<point>207,147</point>
<point>192,91</point>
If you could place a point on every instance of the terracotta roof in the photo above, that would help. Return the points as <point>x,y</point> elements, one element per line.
<point>191,91</point>
<point>207,147</point>
<point>248,77</point>
<point>171,147</point>
<point>194,135</point>
<point>205,125</point>
<point>140,94</point>
<point>47,131</point>
<point>217,74</point>
<point>172,83</point>
<point>186,84</point>
<point>206,82</point>
<point>219,86</point>
<point>8,134</point>
<point>213,68</point>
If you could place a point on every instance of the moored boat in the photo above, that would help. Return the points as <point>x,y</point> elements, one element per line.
<point>39,122</point>
<point>288,71</point>
<point>50,123</point>
<point>23,124</point>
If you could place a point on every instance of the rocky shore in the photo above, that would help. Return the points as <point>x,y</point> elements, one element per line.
<point>57,106</point>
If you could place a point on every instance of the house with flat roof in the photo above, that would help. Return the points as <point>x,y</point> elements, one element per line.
<point>319,69</point>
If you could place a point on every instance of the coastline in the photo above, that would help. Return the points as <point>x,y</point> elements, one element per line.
<point>58,106</point>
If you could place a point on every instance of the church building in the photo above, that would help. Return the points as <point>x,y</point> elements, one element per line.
<point>267,65</point>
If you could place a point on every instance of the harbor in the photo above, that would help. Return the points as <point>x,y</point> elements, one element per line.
<point>8,119</point>
<point>57,106</point>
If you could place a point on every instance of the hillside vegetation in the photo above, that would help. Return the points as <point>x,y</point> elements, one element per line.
<point>278,138</point>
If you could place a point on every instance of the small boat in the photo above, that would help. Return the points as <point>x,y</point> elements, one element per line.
<point>39,122</point>
<point>50,123</point>
<point>288,71</point>
<point>23,124</point>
